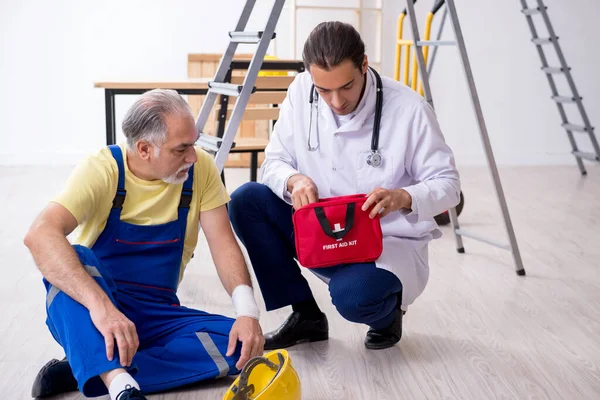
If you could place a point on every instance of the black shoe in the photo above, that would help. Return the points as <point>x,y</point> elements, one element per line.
<point>54,378</point>
<point>296,329</point>
<point>131,393</point>
<point>388,337</point>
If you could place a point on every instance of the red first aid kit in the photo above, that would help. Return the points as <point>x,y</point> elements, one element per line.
<point>336,231</point>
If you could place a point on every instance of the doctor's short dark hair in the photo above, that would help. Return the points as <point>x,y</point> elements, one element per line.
<point>331,43</point>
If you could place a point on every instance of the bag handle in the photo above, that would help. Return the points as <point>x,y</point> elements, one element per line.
<point>327,228</point>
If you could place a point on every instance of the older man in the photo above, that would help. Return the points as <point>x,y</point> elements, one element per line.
<point>111,298</point>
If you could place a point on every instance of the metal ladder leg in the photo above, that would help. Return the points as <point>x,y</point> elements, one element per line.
<point>224,66</point>
<point>513,247</point>
<point>428,97</point>
<point>561,101</point>
<point>222,146</point>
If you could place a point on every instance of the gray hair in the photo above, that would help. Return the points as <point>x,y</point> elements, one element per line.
<point>146,119</point>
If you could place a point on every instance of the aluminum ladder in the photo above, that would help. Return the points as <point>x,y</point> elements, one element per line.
<point>562,69</point>
<point>459,41</point>
<point>222,146</point>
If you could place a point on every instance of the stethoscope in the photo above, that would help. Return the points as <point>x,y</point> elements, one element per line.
<point>374,159</point>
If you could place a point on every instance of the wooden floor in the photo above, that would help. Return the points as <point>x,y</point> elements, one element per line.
<point>478,332</point>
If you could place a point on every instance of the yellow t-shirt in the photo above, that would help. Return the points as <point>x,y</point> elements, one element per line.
<point>92,186</point>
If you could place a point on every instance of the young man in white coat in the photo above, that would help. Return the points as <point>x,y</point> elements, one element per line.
<point>322,147</point>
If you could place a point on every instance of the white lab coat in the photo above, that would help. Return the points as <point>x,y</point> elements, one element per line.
<point>415,158</point>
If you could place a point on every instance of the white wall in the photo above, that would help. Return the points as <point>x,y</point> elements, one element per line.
<point>52,52</point>
<point>523,122</point>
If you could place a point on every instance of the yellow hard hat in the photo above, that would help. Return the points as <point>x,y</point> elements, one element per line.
<point>269,377</point>
<point>272,72</point>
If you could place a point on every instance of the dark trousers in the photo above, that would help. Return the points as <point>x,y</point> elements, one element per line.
<point>361,293</point>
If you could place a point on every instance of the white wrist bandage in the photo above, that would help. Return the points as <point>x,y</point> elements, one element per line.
<point>244,303</point>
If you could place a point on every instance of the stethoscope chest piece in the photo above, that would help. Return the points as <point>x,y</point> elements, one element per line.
<point>374,159</point>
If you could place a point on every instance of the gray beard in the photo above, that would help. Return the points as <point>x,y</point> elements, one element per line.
<point>174,180</point>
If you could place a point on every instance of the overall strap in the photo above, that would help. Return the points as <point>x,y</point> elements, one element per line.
<point>184,206</point>
<point>119,198</point>
<point>186,198</point>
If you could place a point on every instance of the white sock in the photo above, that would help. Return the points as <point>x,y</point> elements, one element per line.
<point>120,383</point>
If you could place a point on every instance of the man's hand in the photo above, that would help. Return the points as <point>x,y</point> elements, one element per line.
<point>248,331</point>
<point>113,325</point>
<point>232,271</point>
<point>387,200</point>
<point>303,190</point>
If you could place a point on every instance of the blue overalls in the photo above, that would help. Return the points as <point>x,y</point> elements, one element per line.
<point>138,268</point>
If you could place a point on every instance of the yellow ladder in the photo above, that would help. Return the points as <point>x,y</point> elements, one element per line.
<point>415,83</point>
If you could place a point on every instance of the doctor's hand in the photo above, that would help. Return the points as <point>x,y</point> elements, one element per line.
<point>385,201</point>
<point>303,190</point>
<point>248,331</point>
